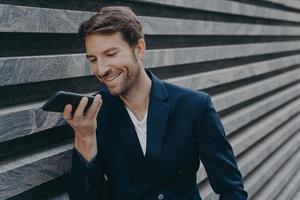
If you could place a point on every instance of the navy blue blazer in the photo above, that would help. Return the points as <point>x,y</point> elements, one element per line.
<point>182,128</point>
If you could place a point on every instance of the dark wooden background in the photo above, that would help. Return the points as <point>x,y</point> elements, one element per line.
<point>244,53</point>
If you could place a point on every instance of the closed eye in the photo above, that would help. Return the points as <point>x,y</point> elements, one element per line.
<point>112,54</point>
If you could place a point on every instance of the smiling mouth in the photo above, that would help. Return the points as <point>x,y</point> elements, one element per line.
<point>112,78</point>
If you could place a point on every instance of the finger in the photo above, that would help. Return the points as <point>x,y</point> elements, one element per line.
<point>80,107</point>
<point>67,114</point>
<point>93,110</point>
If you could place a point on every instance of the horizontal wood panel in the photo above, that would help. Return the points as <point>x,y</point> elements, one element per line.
<point>218,77</point>
<point>170,57</point>
<point>242,117</point>
<point>24,19</point>
<point>288,3</point>
<point>245,138</point>
<point>255,132</point>
<point>255,156</point>
<point>29,171</point>
<point>225,6</point>
<point>291,188</point>
<point>21,19</point>
<point>18,70</point>
<point>262,172</point>
<point>266,171</point>
<point>279,181</point>
<point>196,27</point>
<point>233,97</point>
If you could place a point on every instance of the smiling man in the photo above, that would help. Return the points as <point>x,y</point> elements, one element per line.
<point>142,138</point>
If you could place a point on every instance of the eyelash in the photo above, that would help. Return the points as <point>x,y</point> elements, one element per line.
<point>109,55</point>
<point>113,54</point>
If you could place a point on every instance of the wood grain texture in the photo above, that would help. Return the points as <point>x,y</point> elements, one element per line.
<point>20,70</point>
<point>227,7</point>
<point>21,19</point>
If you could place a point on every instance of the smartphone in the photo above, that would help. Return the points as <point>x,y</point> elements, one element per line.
<point>58,101</point>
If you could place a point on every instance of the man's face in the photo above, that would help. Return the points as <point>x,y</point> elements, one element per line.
<point>113,62</point>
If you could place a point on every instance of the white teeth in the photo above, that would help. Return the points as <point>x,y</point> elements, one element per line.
<point>113,78</point>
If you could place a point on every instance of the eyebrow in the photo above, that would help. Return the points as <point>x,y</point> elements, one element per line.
<point>111,49</point>
<point>106,51</point>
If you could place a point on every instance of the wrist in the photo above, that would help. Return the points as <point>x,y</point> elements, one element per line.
<point>86,146</point>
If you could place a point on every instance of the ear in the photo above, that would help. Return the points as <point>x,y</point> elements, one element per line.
<point>140,49</point>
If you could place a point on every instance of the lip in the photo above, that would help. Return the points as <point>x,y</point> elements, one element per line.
<point>112,78</point>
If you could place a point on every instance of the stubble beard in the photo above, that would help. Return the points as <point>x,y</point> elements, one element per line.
<point>130,80</point>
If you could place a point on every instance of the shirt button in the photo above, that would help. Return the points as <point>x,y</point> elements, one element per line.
<point>160,196</point>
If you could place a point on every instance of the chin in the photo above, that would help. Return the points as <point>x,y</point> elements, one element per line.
<point>115,91</point>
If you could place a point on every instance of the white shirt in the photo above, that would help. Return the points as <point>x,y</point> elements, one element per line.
<point>140,128</point>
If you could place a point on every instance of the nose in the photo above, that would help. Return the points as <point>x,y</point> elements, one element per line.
<point>101,69</point>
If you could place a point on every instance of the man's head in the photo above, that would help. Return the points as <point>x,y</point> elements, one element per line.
<point>113,19</point>
<point>115,45</point>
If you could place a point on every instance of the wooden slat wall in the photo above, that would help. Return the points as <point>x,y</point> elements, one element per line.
<point>245,54</point>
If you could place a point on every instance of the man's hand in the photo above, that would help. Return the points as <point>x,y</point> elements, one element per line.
<point>84,126</point>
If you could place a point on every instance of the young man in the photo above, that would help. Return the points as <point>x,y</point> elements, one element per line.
<point>144,136</point>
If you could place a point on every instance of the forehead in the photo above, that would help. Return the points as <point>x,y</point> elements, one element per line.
<point>97,43</point>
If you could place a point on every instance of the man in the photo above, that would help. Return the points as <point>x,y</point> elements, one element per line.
<point>143,138</point>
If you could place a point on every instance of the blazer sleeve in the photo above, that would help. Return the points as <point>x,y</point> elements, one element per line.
<point>217,155</point>
<point>86,178</point>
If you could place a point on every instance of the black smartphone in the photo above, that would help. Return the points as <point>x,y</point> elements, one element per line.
<point>58,101</point>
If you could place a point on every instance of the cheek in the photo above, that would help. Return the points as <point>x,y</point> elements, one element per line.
<point>94,70</point>
<point>124,59</point>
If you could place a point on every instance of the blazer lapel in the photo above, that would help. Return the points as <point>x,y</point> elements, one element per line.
<point>158,112</point>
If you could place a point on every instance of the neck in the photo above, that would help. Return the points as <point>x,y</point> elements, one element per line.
<point>137,97</point>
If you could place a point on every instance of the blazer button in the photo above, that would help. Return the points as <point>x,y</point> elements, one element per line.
<point>160,196</point>
<point>86,184</point>
<point>86,187</point>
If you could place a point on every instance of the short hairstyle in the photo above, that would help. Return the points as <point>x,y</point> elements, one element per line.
<point>113,19</point>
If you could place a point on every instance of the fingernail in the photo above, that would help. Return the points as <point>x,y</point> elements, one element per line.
<point>96,97</point>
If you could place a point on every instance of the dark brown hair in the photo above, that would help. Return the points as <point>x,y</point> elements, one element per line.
<point>113,19</point>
